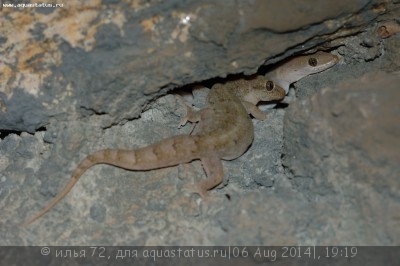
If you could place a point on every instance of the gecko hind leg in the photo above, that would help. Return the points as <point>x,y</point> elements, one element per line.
<point>213,167</point>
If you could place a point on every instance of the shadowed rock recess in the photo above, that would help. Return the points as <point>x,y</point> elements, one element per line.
<point>323,168</point>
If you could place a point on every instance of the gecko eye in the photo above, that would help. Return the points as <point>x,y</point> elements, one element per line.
<point>313,61</point>
<point>269,85</point>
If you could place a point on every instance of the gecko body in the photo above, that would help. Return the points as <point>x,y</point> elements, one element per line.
<point>224,131</point>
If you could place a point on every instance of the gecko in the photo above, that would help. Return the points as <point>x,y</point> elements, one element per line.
<point>223,131</point>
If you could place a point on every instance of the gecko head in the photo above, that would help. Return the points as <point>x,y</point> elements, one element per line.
<point>266,90</point>
<point>314,63</point>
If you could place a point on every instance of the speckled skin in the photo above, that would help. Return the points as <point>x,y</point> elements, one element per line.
<point>224,131</point>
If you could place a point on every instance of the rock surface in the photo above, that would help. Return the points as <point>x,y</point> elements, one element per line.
<point>112,58</point>
<point>342,150</point>
<point>321,171</point>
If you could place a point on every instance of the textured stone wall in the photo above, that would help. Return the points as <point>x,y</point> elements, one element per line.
<point>111,58</point>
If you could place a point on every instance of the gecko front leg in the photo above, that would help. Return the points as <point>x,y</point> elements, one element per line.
<point>191,116</point>
<point>254,111</point>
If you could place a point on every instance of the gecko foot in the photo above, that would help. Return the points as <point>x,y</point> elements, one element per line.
<point>184,120</point>
<point>196,189</point>
<point>188,111</point>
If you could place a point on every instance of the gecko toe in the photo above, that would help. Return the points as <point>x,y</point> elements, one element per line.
<point>183,121</point>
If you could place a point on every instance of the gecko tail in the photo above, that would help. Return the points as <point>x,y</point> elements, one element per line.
<point>168,152</point>
<point>82,167</point>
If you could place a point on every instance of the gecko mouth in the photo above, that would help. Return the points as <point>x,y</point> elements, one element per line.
<point>281,103</point>
<point>281,100</point>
